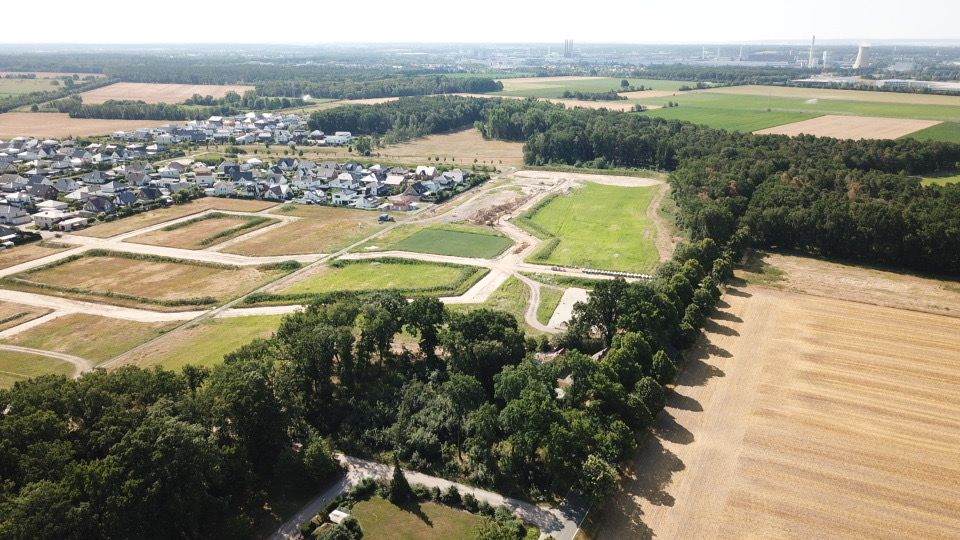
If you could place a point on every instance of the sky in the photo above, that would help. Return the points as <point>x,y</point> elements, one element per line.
<point>499,21</point>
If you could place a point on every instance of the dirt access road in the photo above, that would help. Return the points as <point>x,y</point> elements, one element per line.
<point>799,416</point>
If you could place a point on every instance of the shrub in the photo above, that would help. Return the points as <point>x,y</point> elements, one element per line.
<point>470,502</point>
<point>451,497</point>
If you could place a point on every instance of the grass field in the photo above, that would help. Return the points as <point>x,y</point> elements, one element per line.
<point>549,300</point>
<point>940,180</point>
<point>449,239</point>
<point>553,87</point>
<point>834,94</point>
<point>514,297</point>
<point>18,366</point>
<point>387,274</point>
<point>16,314</point>
<point>150,282</point>
<point>13,87</point>
<point>154,217</point>
<point>204,231</point>
<point>158,93</point>
<point>597,226</point>
<point>323,229</point>
<point>801,416</point>
<point>754,112</point>
<point>28,252</point>
<point>90,337</point>
<point>60,125</point>
<point>380,519</point>
<point>204,343</point>
<point>946,131</point>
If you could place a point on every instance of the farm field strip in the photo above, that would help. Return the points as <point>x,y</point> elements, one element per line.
<point>834,94</point>
<point>808,417</point>
<point>553,87</point>
<point>59,125</point>
<point>158,93</point>
<point>851,127</point>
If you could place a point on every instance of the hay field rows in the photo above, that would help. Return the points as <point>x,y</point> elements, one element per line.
<point>159,93</point>
<point>799,416</point>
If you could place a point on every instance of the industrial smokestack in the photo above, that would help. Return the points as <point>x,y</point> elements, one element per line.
<point>812,61</point>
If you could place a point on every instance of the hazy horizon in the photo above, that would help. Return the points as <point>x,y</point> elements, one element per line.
<point>498,21</point>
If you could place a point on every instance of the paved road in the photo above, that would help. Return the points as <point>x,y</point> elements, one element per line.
<point>561,522</point>
<point>80,365</point>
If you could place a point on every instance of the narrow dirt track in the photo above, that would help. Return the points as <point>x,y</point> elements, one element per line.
<point>80,365</point>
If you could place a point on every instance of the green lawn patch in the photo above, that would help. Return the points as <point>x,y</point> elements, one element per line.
<point>597,226</point>
<point>549,300</point>
<point>380,519</point>
<point>513,297</point>
<point>456,240</point>
<point>945,132</point>
<point>563,281</point>
<point>18,366</point>
<point>940,180</point>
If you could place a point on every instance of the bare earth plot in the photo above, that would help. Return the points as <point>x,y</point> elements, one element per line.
<point>851,127</point>
<point>60,125</point>
<point>153,217</point>
<point>804,417</point>
<point>323,229</point>
<point>158,93</point>
<point>161,285</point>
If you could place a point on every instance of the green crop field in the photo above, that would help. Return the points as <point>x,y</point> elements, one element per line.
<point>597,226</point>
<point>940,180</point>
<point>17,366</point>
<point>380,519</point>
<point>545,88</point>
<point>456,240</point>
<point>12,87</point>
<point>751,112</point>
<point>377,275</point>
<point>205,343</point>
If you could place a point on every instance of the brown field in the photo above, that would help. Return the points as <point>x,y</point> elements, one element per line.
<point>51,74</point>
<point>90,337</point>
<point>60,125</point>
<point>582,103</point>
<point>649,94</point>
<point>151,281</point>
<point>846,95</point>
<point>799,416</point>
<point>27,253</point>
<point>16,314</point>
<point>158,93</point>
<point>461,147</point>
<point>369,101</point>
<point>324,229</point>
<point>154,217</point>
<point>193,236</point>
<point>851,127</point>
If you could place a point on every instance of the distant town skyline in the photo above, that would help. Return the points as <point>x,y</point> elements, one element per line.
<point>495,21</point>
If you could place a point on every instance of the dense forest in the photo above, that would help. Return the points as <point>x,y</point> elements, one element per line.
<point>364,89</point>
<point>728,75</point>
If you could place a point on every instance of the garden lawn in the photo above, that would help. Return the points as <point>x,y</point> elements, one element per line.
<point>597,226</point>
<point>389,274</point>
<point>381,520</point>
<point>90,337</point>
<point>204,343</point>
<point>18,366</point>
<point>456,240</point>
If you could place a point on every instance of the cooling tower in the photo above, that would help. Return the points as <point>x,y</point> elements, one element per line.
<point>863,57</point>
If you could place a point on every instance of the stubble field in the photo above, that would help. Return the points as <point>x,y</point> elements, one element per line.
<point>60,125</point>
<point>158,93</point>
<point>851,127</point>
<point>798,416</point>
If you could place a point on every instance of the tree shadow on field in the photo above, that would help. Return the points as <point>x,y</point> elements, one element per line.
<point>682,402</point>
<point>414,508</point>
<point>696,372</point>
<point>668,429</point>
<point>724,315</point>
<point>652,471</point>
<point>737,292</point>
<point>714,327</point>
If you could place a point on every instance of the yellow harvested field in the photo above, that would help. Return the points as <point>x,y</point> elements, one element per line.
<point>649,94</point>
<point>827,93</point>
<point>620,105</point>
<point>851,127</point>
<point>154,217</point>
<point>538,81</point>
<point>369,101</point>
<point>460,148</point>
<point>90,337</point>
<point>51,74</point>
<point>149,284</point>
<point>323,229</point>
<point>799,416</point>
<point>158,93</point>
<point>27,253</point>
<point>16,314</point>
<point>60,125</point>
<point>198,235</point>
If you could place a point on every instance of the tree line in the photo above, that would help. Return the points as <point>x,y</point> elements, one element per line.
<point>392,87</point>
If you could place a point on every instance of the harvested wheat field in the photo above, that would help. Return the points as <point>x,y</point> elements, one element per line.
<point>829,93</point>
<point>799,416</point>
<point>851,127</point>
<point>158,93</point>
<point>461,148</point>
<point>60,125</point>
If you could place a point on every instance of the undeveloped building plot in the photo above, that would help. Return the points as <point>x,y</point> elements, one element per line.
<point>204,231</point>
<point>851,127</point>
<point>60,125</point>
<point>154,217</point>
<point>16,314</point>
<point>323,229</point>
<point>804,417</point>
<point>159,93</point>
